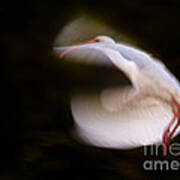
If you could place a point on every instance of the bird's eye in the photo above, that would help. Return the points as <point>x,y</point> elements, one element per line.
<point>96,40</point>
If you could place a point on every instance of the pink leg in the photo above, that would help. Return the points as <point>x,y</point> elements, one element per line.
<point>178,120</point>
<point>167,135</point>
<point>166,132</point>
<point>173,131</point>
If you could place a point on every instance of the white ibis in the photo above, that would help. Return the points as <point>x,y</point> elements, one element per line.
<point>145,113</point>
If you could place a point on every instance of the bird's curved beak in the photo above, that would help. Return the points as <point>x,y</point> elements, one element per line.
<point>62,51</point>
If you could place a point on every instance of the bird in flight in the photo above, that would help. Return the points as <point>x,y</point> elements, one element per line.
<point>143,113</point>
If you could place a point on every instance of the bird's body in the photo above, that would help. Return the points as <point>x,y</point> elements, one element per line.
<point>130,116</point>
<point>126,126</point>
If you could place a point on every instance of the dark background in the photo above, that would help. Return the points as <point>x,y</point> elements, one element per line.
<point>35,143</point>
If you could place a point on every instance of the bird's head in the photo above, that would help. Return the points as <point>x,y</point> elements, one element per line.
<point>97,39</point>
<point>100,39</point>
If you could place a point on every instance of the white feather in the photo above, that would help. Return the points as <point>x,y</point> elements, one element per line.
<point>141,123</point>
<point>130,116</point>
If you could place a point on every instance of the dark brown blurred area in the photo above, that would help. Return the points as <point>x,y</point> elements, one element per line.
<point>36,118</point>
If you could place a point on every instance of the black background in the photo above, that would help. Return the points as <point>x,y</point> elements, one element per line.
<point>35,143</point>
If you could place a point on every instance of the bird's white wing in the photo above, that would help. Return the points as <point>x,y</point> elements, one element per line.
<point>138,124</point>
<point>147,65</point>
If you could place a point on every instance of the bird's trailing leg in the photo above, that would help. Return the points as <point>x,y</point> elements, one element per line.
<point>168,133</point>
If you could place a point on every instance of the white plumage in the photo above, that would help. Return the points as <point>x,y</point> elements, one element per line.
<point>129,116</point>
